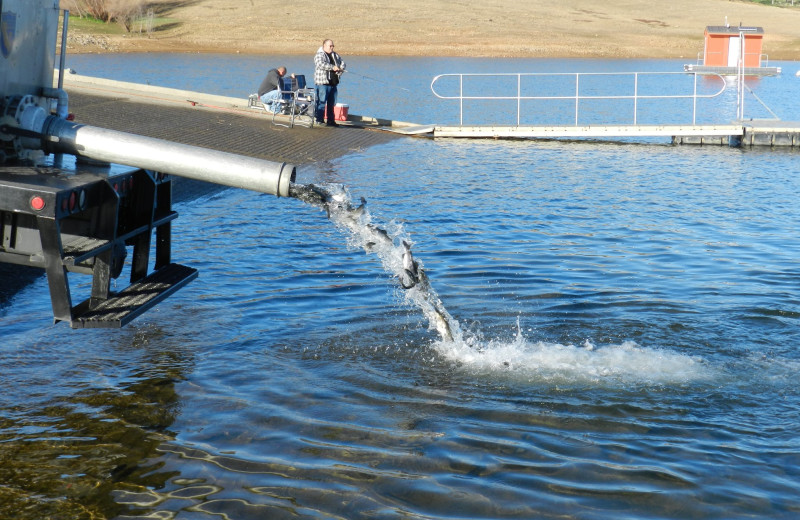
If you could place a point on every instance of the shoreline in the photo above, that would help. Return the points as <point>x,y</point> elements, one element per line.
<point>141,46</point>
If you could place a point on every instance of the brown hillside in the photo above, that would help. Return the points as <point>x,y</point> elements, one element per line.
<point>544,28</point>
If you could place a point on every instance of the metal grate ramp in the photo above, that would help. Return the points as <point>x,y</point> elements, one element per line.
<point>236,131</point>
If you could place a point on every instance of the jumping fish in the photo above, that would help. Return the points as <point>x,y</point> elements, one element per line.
<point>442,323</point>
<point>308,193</point>
<point>411,274</point>
<point>439,315</point>
<point>378,236</point>
<point>354,214</point>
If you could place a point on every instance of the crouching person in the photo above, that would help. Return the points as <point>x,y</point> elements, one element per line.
<point>270,91</point>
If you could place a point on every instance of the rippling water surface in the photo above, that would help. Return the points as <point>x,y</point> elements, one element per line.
<point>630,317</point>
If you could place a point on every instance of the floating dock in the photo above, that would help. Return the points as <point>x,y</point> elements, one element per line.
<point>593,131</point>
<point>750,133</point>
<point>771,133</point>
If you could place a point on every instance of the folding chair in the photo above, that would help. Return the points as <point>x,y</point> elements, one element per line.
<point>305,102</point>
<point>295,101</point>
<point>284,103</point>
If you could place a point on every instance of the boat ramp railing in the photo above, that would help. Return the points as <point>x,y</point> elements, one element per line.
<point>579,78</point>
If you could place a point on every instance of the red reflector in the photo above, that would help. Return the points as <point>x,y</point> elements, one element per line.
<point>37,203</point>
<point>72,199</point>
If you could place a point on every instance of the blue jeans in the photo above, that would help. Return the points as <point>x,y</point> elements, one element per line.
<point>326,100</point>
<point>269,97</point>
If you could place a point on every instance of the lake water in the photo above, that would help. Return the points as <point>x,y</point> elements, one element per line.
<point>629,311</point>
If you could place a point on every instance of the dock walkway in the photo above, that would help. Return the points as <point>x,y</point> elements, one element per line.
<point>748,133</point>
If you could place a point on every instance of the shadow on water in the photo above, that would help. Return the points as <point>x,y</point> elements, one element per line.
<point>77,427</point>
<point>62,457</point>
<point>14,278</point>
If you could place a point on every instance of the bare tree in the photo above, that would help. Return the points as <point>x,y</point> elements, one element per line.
<point>124,12</point>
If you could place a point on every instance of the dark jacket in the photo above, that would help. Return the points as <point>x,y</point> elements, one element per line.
<point>270,82</point>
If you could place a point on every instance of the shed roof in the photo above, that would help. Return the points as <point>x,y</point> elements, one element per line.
<point>733,29</point>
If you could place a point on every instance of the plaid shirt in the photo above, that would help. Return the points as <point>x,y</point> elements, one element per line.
<point>322,65</point>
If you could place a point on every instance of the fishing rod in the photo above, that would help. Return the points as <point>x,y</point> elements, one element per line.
<point>373,79</point>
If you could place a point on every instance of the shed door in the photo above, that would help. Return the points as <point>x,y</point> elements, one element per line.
<point>734,50</point>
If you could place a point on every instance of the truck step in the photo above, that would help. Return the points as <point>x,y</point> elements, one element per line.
<point>83,248</point>
<point>129,303</point>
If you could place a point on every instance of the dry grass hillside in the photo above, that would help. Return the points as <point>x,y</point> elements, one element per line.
<point>541,28</point>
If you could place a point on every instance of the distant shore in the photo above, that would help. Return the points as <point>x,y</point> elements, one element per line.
<point>490,28</point>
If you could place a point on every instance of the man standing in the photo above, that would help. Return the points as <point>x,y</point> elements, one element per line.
<point>270,90</point>
<point>328,67</point>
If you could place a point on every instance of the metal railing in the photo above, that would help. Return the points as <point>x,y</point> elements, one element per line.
<point>576,97</point>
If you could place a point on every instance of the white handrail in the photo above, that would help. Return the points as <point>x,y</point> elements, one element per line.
<point>576,97</point>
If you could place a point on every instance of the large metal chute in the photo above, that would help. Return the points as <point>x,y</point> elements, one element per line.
<point>227,169</point>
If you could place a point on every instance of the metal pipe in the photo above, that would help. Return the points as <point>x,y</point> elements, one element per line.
<point>193,162</point>
<point>62,108</point>
<point>64,26</point>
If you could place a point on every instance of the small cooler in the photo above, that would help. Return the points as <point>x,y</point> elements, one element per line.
<point>340,111</point>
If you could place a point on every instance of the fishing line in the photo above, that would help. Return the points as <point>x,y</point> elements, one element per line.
<point>759,100</point>
<point>379,81</point>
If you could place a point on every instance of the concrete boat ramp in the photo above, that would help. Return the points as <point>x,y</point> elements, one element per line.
<point>216,122</point>
<point>226,123</point>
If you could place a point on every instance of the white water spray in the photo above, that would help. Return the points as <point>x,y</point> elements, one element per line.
<point>626,363</point>
<point>520,358</point>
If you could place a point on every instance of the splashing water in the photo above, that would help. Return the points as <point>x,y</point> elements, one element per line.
<point>392,248</point>
<point>520,358</point>
<point>587,363</point>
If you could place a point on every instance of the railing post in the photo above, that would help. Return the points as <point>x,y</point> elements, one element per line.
<point>577,95</point>
<point>694,101</point>
<point>740,86</point>
<point>635,95</point>
<point>461,99</point>
<point>519,95</point>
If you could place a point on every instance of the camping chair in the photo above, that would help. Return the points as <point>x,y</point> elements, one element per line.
<point>295,101</point>
<point>305,102</point>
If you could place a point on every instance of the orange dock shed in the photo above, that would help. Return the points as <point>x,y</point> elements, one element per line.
<point>723,46</point>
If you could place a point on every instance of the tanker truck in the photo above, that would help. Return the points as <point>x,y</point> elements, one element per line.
<point>77,200</point>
